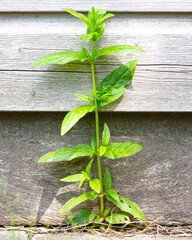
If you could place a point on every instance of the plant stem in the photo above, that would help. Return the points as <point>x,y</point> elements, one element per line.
<point>97,131</point>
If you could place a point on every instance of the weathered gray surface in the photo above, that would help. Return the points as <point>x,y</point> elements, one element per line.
<point>158,178</point>
<point>84,5</point>
<point>40,91</point>
<point>7,235</point>
<point>163,77</point>
<point>87,236</point>
<point>13,235</point>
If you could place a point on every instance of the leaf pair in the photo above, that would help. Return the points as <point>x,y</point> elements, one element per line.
<point>109,150</point>
<point>113,86</point>
<point>85,176</point>
<point>81,177</point>
<point>121,202</point>
<point>109,90</point>
<point>95,28</point>
<point>86,216</point>
<point>67,56</point>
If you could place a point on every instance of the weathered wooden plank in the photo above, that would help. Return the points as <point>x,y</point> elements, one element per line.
<point>85,5</point>
<point>166,38</point>
<point>85,235</point>
<point>162,81</point>
<point>158,178</point>
<point>154,88</point>
<point>7,235</point>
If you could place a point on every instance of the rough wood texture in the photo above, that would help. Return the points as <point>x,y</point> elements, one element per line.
<point>158,178</point>
<point>40,91</point>
<point>163,77</point>
<point>84,5</point>
<point>86,236</point>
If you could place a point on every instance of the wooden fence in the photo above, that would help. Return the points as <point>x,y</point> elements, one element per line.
<point>155,110</point>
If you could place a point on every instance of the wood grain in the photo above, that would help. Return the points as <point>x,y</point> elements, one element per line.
<point>26,37</point>
<point>85,5</point>
<point>163,77</point>
<point>158,178</point>
<point>154,88</point>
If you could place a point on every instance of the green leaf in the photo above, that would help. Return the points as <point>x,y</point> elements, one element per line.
<point>93,146</point>
<point>95,185</point>
<point>93,143</point>
<point>81,182</point>
<point>101,20</point>
<point>119,49</point>
<point>86,37</point>
<point>84,97</point>
<point>81,217</point>
<point>105,135</point>
<point>112,87</point>
<point>78,15</point>
<point>67,154</point>
<point>94,94</point>
<point>110,97</point>
<point>85,53</point>
<point>127,205</point>
<point>119,150</point>
<point>73,117</point>
<point>73,178</point>
<point>61,57</point>
<point>102,150</point>
<point>91,195</point>
<point>107,179</point>
<point>98,219</point>
<point>113,193</point>
<point>96,50</point>
<point>135,209</point>
<point>97,23</point>
<point>69,218</point>
<point>118,218</point>
<point>92,16</point>
<point>88,168</point>
<point>73,202</point>
<point>106,212</point>
<point>119,78</point>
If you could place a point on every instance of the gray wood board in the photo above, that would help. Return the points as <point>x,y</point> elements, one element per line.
<point>85,5</point>
<point>26,37</point>
<point>158,178</point>
<point>152,90</point>
<point>163,77</point>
